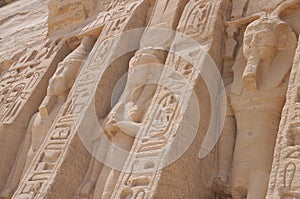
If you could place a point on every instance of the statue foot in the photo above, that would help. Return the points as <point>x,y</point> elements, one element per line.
<point>85,192</point>
<point>6,193</point>
<point>220,186</point>
<point>239,193</point>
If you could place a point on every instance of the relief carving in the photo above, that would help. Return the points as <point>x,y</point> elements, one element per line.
<point>260,70</point>
<point>57,92</point>
<point>20,79</point>
<point>120,126</point>
<point>126,117</point>
<point>62,131</point>
<point>67,13</point>
<point>231,47</point>
<point>159,132</point>
<point>22,88</point>
<point>287,171</point>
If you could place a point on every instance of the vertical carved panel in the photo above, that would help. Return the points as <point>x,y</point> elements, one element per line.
<point>194,21</point>
<point>20,96</point>
<point>155,138</point>
<point>21,79</point>
<point>44,173</point>
<point>65,14</point>
<point>285,175</point>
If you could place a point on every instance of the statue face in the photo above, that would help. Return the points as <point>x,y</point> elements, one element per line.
<point>260,44</point>
<point>57,86</point>
<point>60,68</point>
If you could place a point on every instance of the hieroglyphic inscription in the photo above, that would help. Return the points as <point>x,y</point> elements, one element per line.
<point>169,103</point>
<point>21,93</point>
<point>285,173</point>
<point>114,10</point>
<point>42,171</point>
<point>22,77</point>
<point>66,13</point>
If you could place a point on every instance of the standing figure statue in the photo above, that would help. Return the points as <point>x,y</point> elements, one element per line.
<point>59,86</point>
<point>121,125</point>
<point>255,101</point>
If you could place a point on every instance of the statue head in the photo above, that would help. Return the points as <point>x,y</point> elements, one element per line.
<point>57,84</point>
<point>263,39</point>
<point>61,83</point>
<point>144,67</point>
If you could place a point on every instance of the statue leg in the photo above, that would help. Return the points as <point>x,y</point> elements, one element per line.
<point>87,187</point>
<point>16,175</point>
<point>110,184</point>
<point>258,185</point>
<point>225,147</point>
<point>262,163</point>
<point>241,168</point>
<point>21,164</point>
<point>123,141</point>
<point>101,182</point>
<point>262,147</point>
<point>94,171</point>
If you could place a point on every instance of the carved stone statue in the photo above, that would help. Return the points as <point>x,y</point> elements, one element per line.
<point>122,124</point>
<point>59,86</point>
<point>255,101</point>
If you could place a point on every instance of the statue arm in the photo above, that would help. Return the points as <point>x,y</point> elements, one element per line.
<point>115,115</point>
<point>119,107</point>
<point>147,93</point>
<point>137,116</point>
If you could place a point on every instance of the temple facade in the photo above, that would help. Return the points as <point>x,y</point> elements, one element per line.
<point>142,99</point>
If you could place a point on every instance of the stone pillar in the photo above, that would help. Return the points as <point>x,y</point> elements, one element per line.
<point>285,176</point>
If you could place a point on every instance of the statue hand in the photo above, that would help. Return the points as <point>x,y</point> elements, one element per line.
<point>130,110</point>
<point>110,126</point>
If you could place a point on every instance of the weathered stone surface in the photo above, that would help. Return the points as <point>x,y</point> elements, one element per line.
<point>23,87</point>
<point>284,179</point>
<point>23,25</point>
<point>204,101</point>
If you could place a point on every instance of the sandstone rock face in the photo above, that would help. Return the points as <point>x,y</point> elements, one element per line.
<point>141,99</point>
